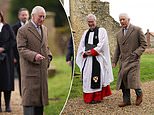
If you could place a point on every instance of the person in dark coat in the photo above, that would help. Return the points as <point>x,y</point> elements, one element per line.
<point>23,16</point>
<point>7,42</point>
<point>70,53</point>
<point>131,44</point>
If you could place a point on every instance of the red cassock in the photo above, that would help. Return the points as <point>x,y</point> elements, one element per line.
<point>97,96</point>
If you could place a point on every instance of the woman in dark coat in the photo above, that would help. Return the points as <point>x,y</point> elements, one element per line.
<point>7,41</point>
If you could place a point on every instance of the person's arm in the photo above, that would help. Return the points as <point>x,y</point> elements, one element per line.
<point>23,50</point>
<point>70,52</point>
<point>9,40</point>
<point>116,55</point>
<point>80,52</point>
<point>142,43</point>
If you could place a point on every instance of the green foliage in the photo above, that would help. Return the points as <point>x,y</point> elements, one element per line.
<point>76,90</point>
<point>49,5</point>
<point>146,68</point>
<point>77,69</point>
<point>59,86</point>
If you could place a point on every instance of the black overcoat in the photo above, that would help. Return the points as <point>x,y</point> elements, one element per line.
<point>7,41</point>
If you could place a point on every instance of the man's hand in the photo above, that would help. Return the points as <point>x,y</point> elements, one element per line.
<point>39,57</point>
<point>69,63</point>
<point>1,49</point>
<point>15,60</point>
<point>88,53</point>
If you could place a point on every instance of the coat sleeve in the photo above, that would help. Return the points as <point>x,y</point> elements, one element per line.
<point>22,47</point>
<point>102,40</point>
<point>15,50</point>
<point>12,36</point>
<point>50,56</point>
<point>116,53</point>
<point>142,43</point>
<point>70,50</point>
<point>81,50</point>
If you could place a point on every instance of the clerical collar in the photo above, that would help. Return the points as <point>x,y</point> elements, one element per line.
<point>92,29</point>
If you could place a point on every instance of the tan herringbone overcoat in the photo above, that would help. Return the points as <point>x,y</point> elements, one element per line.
<point>33,73</point>
<point>128,51</point>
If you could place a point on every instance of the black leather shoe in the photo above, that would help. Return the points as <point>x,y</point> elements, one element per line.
<point>8,109</point>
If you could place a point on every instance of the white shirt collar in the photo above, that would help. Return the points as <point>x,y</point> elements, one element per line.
<point>23,23</point>
<point>34,24</point>
<point>1,25</point>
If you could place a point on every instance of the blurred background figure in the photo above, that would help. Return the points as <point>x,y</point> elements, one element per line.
<point>23,17</point>
<point>7,42</point>
<point>70,53</point>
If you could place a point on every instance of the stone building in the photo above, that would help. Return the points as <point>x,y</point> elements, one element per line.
<point>79,9</point>
<point>150,39</point>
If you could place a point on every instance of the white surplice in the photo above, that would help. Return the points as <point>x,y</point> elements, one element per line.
<point>103,58</point>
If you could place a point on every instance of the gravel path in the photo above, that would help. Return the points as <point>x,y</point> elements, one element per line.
<point>15,102</point>
<point>109,106</point>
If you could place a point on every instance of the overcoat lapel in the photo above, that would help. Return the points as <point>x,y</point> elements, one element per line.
<point>34,31</point>
<point>126,37</point>
<point>43,36</point>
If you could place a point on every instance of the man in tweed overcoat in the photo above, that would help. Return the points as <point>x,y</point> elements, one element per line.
<point>34,59</point>
<point>130,46</point>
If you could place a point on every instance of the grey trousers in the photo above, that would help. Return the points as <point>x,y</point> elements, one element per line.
<point>33,110</point>
<point>126,93</point>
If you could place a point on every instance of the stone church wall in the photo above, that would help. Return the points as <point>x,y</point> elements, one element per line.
<point>79,9</point>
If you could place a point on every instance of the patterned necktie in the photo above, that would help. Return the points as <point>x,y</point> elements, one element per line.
<point>39,30</point>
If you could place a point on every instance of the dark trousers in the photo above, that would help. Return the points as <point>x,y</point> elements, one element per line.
<point>19,75</point>
<point>33,110</point>
<point>126,93</point>
<point>7,96</point>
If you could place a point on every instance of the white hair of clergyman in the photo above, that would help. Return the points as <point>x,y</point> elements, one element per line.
<point>36,9</point>
<point>91,16</point>
<point>124,14</point>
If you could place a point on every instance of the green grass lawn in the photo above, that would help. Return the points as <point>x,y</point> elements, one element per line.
<point>58,86</point>
<point>147,74</point>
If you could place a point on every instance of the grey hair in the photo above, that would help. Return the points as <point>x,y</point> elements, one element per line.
<point>125,15</point>
<point>36,9</point>
<point>91,16</point>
